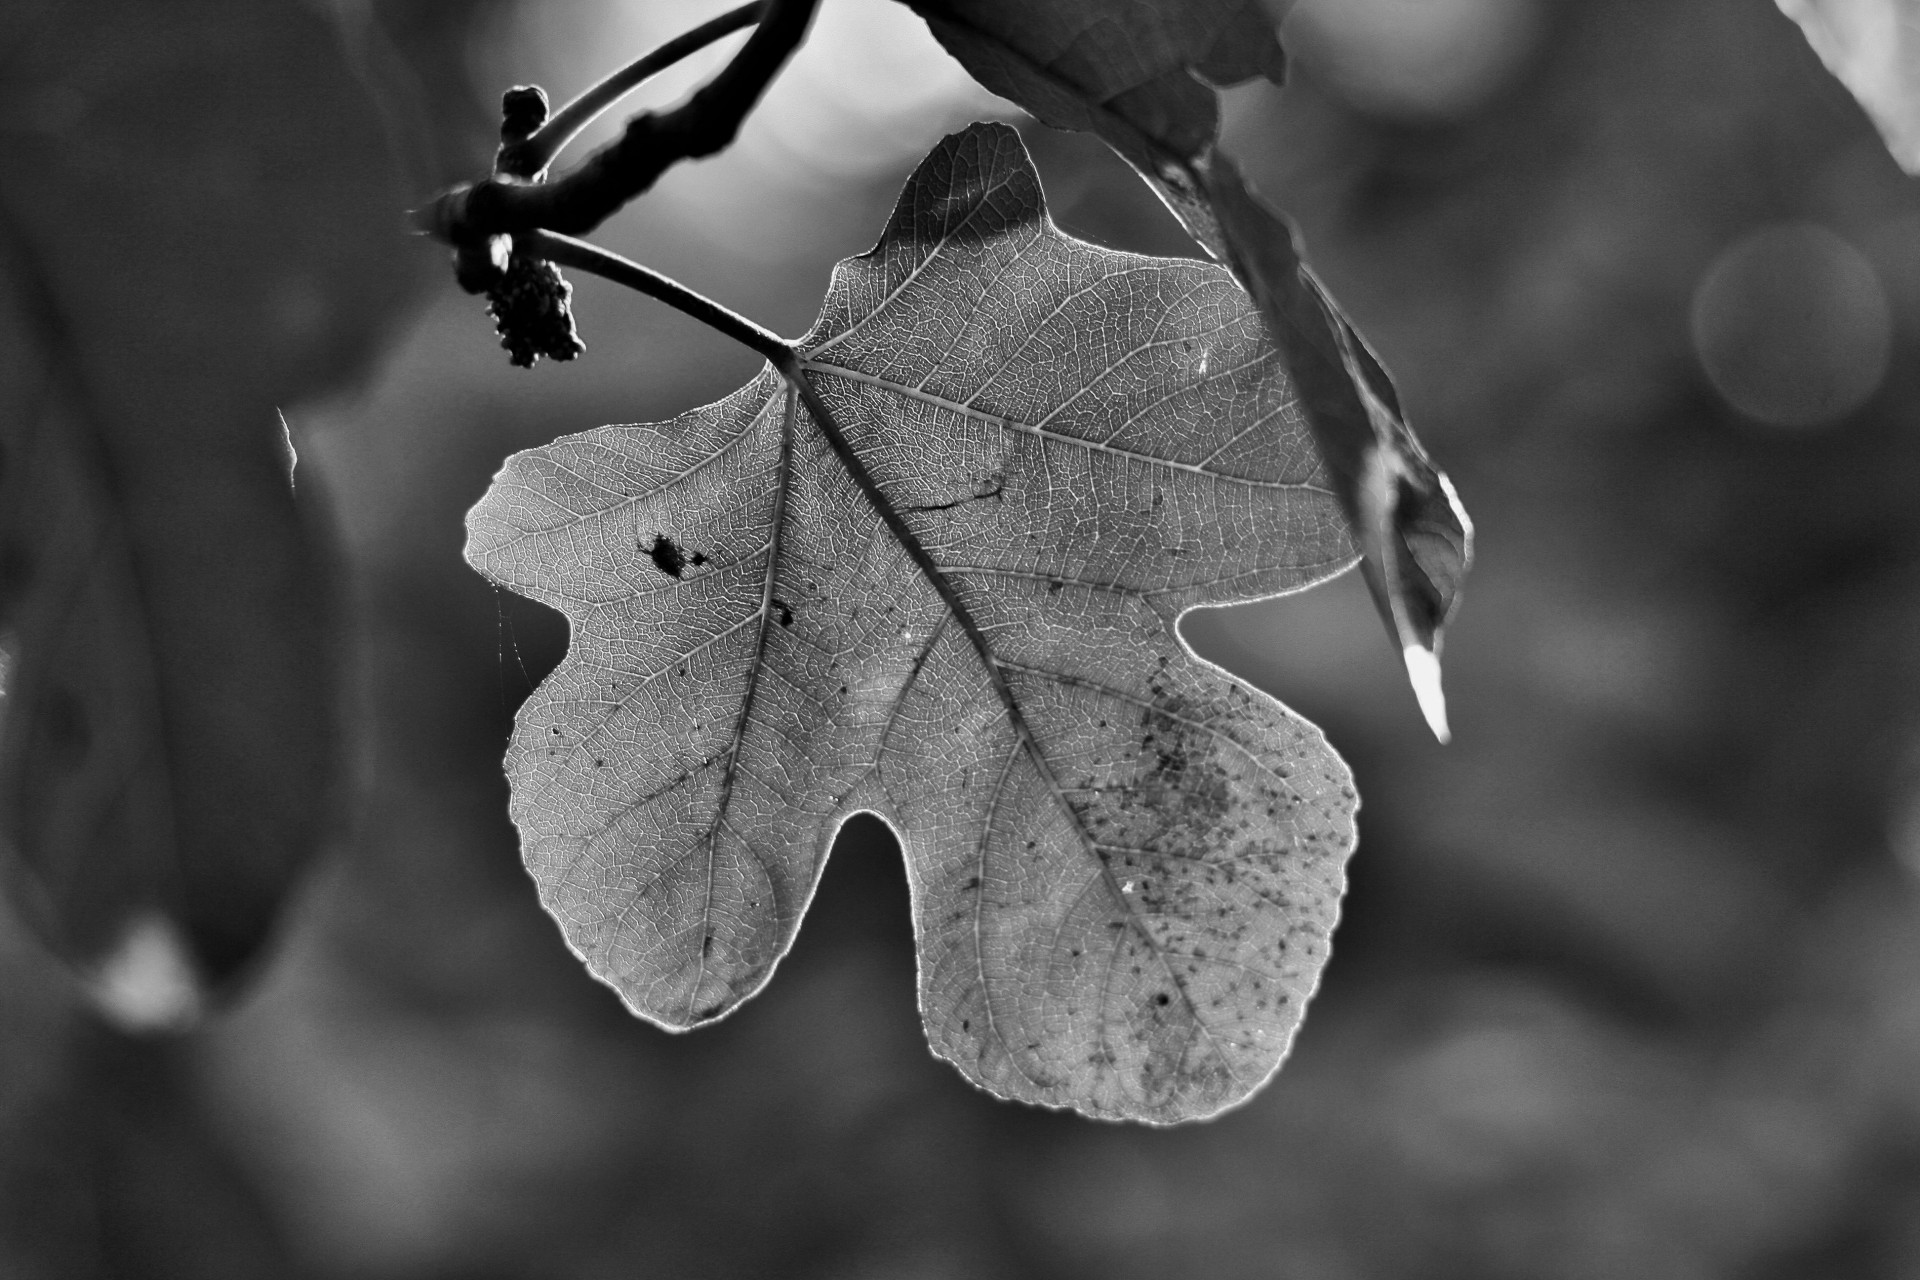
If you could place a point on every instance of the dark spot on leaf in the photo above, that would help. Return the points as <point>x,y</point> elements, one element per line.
<point>667,557</point>
<point>1163,999</point>
<point>786,614</point>
<point>706,945</point>
<point>710,1012</point>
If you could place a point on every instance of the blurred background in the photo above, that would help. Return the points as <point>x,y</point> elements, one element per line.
<point>1628,980</point>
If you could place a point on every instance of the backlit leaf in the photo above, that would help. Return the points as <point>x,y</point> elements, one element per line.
<point>951,602</point>
<point>1133,74</point>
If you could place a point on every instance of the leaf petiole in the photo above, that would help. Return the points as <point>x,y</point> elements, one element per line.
<point>568,252</point>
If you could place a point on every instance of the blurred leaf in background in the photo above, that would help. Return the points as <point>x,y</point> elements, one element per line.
<point>200,225</point>
<point>193,237</point>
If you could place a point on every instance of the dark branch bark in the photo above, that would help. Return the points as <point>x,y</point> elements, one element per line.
<point>583,197</point>
<point>530,156</point>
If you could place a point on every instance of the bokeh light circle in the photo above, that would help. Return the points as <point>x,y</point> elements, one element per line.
<point>1792,325</point>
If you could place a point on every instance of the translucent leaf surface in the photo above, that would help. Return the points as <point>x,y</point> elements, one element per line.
<point>951,604</point>
<point>1133,74</point>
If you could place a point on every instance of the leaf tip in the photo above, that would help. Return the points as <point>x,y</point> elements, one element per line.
<point>1423,673</point>
<point>149,983</point>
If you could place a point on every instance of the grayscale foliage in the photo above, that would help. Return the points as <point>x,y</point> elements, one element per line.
<point>952,604</point>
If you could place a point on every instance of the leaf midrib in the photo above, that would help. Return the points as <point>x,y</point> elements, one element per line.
<point>1027,741</point>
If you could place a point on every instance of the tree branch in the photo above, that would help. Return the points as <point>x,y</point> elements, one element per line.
<point>530,156</point>
<point>583,197</point>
